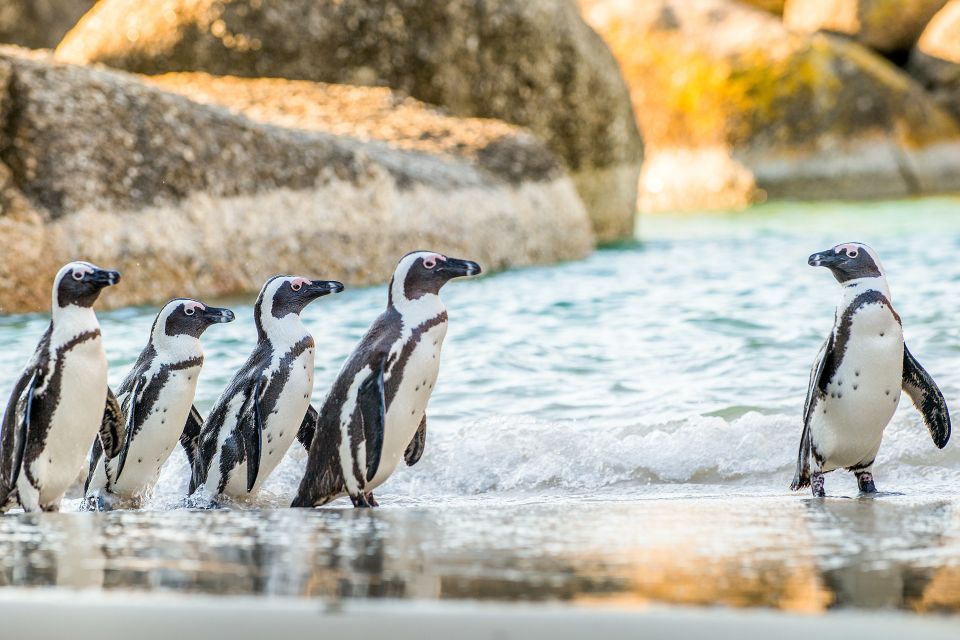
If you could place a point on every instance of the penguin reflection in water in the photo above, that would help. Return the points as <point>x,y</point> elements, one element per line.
<point>376,411</point>
<point>156,399</point>
<point>856,381</point>
<point>258,415</point>
<point>58,403</point>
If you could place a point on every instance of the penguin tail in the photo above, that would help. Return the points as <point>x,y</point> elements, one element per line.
<point>800,481</point>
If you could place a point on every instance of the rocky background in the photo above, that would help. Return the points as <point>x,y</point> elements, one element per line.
<point>202,145</point>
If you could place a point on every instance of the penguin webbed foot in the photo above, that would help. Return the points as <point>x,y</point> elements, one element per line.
<point>816,485</point>
<point>865,483</point>
<point>364,501</point>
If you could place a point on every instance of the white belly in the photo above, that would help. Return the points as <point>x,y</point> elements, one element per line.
<point>157,437</point>
<point>847,425</point>
<point>410,403</point>
<point>75,422</point>
<point>280,426</point>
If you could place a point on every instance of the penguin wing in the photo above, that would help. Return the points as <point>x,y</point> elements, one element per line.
<point>112,426</point>
<point>415,448</point>
<point>926,398</point>
<point>16,427</point>
<point>132,405</point>
<point>372,404</point>
<point>251,432</point>
<point>190,438</point>
<point>308,428</point>
<point>801,478</point>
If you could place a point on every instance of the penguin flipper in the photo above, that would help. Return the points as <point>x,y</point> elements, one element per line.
<point>190,437</point>
<point>801,478</point>
<point>927,398</point>
<point>130,422</point>
<point>16,430</point>
<point>373,412</point>
<point>112,426</point>
<point>253,440</point>
<point>415,448</point>
<point>308,427</point>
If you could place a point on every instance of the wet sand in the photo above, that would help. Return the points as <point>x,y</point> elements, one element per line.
<point>774,552</point>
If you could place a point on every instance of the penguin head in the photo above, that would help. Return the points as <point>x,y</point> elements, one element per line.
<point>285,295</point>
<point>79,284</point>
<point>185,317</point>
<point>421,273</point>
<point>849,261</point>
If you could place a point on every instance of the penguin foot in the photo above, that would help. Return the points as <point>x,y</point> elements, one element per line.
<point>816,485</point>
<point>371,500</point>
<point>362,501</point>
<point>865,482</point>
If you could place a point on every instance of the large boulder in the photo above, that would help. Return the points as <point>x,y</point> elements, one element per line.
<point>734,108</point>
<point>935,61</point>
<point>209,199</point>
<point>884,25</point>
<point>535,64</point>
<point>39,24</point>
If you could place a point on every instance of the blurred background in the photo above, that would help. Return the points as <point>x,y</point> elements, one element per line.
<point>201,145</point>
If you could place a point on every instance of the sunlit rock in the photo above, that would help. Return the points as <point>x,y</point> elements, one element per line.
<point>535,64</point>
<point>734,109</point>
<point>884,25</point>
<point>271,177</point>
<point>935,61</point>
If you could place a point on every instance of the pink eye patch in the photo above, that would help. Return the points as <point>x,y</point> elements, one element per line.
<point>297,283</point>
<point>191,307</point>
<point>851,250</point>
<point>431,261</point>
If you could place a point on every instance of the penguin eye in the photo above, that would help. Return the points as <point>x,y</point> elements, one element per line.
<point>78,275</point>
<point>852,253</point>
<point>430,262</point>
<point>189,311</point>
<point>295,286</point>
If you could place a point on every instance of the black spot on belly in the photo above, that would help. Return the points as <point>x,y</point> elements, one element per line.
<point>854,387</point>
<point>857,373</point>
<point>881,334</point>
<point>139,460</point>
<point>888,392</point>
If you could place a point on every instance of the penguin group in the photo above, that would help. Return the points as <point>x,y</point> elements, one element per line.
<point>63,420</point>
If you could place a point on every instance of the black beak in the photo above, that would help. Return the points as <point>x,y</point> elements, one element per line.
<point>104,278</point>
<point>318,288</point>
<point>213,315</point>
<point>828,258</point>
<point>456,268</point>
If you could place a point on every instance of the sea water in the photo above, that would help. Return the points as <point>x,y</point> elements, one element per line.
<point>625,425</point>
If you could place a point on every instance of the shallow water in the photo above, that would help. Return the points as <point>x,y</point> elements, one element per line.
<point>620,427</point>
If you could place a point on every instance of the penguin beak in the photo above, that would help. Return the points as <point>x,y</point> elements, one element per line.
<point>456,268</point>
<point>213,315</point>
<point>104,278</point>
<point>828,258</point>
<point>319,288</point>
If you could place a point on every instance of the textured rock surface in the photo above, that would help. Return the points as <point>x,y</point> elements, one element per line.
<point>39,23</point>
<point>935,61</point>
<point>533,63</point>
<point>734,108</point>
<point>884,25</point>
<point>773,6</point>
<point>191,199</point>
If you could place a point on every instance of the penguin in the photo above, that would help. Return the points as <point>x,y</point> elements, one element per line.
<point>156,398</point>
<point>58,403</point>
<point>856,381</point>
<point>259,414</point>
<point>375,413</point>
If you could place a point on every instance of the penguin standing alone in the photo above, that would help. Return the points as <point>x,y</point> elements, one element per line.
<point>58,403</point>
<point>376,411</point>
<point>156,399</point>
<point>856,381</point>
<point>258,415</point>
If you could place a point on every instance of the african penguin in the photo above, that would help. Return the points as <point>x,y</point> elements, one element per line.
<point>56,406</point>
<point>375,413</point>
<point>258,415</point>
<point>856,381</point>
<point>156,399</point>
